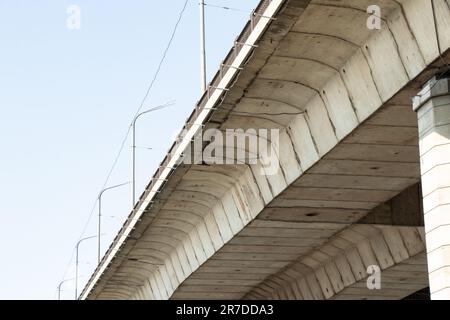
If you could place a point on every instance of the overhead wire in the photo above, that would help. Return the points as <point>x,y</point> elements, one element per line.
<point>141,105</point>
<point>181,13</point>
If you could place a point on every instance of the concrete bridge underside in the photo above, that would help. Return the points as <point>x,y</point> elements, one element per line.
<point>347,195</point>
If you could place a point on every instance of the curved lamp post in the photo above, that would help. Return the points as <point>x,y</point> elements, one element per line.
<point>76,264</point>
<point>100,215</point>
<point>134,143</point>
<point>59,286</point>
<point>202,48</point>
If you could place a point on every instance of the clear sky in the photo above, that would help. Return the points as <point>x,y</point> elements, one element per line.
<point>66,100</point>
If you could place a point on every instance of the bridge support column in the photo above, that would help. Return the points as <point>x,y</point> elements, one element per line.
<point>433,111</point>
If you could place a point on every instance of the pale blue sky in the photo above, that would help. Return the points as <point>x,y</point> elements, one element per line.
<point>66,100</point>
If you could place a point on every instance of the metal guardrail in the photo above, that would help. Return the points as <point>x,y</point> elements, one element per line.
<point>225,66</point>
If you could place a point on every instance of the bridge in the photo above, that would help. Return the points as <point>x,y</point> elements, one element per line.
<point>363,180</point>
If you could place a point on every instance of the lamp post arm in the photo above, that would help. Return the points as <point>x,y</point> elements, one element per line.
<point>59,286</point>
<point>113,187</point>
<point>100,215</point>
<point>76,264</point>
<point>133,125</point>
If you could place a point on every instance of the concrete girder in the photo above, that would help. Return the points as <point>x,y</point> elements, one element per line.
<point>326,147</point>
<point>338,269</point>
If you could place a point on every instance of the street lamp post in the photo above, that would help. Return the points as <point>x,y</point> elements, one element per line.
<point>76,264</point>
<point>202,48</point>
<point>100,215</point>
<point>59,287</point>
<point>134,143</point>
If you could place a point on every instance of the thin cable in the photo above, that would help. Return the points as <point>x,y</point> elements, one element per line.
<point>116,159</point>
<point>159,67</point>
<point>166,50</point>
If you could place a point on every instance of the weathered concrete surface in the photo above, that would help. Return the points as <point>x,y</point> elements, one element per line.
<point>340,94</point>
<point>338,269</point>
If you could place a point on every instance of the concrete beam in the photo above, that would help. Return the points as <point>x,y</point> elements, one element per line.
<point>351,146</point>
<point>339,268</point>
